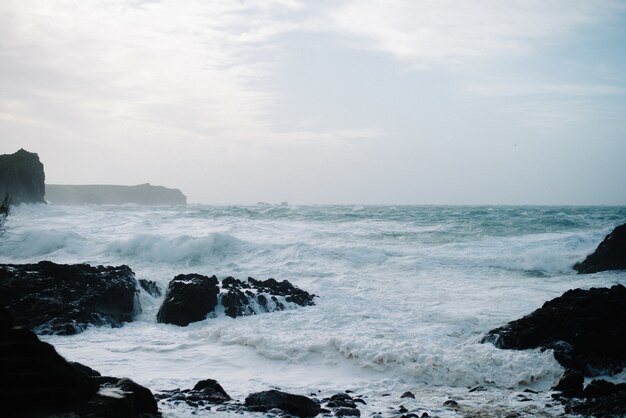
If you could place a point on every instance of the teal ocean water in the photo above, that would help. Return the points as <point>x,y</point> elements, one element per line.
<point>405,294</point>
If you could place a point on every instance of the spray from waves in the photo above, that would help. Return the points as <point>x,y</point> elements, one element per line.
<point>182,249</point>
<point>40,242</point>
<point>541,254</point>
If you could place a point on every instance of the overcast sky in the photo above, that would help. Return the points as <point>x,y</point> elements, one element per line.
<point>357,101</point>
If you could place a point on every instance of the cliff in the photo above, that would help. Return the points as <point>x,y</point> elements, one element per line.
<point>143,194</point>
<point>22,176</point>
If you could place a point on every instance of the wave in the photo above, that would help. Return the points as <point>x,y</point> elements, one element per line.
<point>179,249</point>
<point>38,243</point>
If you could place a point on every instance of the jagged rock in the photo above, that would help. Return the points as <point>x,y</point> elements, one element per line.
<point>205,392</point>
<point>297,405</point>
<point>22,176</point>
<point>189,298</point>
<point>152,288</point>
<point>571,383</point>
<point>238,298</point>
<point>410,395</point>
<point>601,399</point>
<point>64,299</point>
<point>586,329</point>
<point>610,254</point>
<point>35,381</point>
<point>142,194</point>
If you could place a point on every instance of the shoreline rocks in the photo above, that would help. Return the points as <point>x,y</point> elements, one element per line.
<point>192,297</point>
<point>64,299</point>
<point>38,382</point>
<point>585,328</point>
<point>610,254</point>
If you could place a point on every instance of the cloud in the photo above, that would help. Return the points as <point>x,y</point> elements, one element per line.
<point>435,33</point>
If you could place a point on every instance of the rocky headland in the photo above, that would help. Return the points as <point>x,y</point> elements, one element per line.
<point>142,194</point>
<point>22,177</point>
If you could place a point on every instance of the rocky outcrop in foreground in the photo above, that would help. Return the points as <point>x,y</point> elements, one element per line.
<point>192,297</point>
<point>142,194</point>
<point>64,299</point>
<point>35,381</point>
<point>22,176</point>
<point>610,254</point>
<point>586,329</point>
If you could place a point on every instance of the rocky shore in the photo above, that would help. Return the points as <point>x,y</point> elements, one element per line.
<point>585,329</point>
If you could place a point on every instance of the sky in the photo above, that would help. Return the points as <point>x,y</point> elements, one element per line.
<point>490,102</point>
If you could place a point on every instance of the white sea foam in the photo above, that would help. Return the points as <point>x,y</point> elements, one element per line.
<point>405,294</point>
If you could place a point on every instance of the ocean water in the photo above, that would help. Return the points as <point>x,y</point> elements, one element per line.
<point>405,295</point>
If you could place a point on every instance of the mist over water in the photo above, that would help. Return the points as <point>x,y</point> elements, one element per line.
<point>405,294</point>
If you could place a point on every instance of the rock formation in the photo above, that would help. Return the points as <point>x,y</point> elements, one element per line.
<point>191,297</point>
<point>64,299</point>
<point>610,254</point>
<point>143,194</point>
<point>37,382</point>
<point>22,176</point>
<point>585,328</point>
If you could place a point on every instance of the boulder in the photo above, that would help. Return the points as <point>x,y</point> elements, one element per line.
<point>297,405</point>
<point>194,296</point>
<point>35,381</point>
<point>600,399</point>
<point>64,299</point>
<point>585,328</point>
<point>204,393</point>
<point>610,254</point>
<point>189,298</point>
<point>22,176</point>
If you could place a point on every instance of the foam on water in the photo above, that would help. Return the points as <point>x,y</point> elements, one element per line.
<point>405,295</point>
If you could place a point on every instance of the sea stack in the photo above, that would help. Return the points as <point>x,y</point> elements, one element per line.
<point>22,177</point>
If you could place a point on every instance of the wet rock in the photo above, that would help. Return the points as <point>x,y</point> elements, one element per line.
<point>602,399</point>
<point>297,405</point>
<point>402,409</point>
<point>451,404</point>
<point>610,254</point>
<point>52,298</point>
<point>571,383</point>
<point>189,298</point>
<point>407,394</point>
<point>347,412</point>
<point>152,288</point>
<point>204,393</point>
<point>38,382</point>
<point>238,298</point>
<point>212,391</point>
<point>586,329</point>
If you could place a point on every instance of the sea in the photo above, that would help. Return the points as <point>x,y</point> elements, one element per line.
<point>405,294</point>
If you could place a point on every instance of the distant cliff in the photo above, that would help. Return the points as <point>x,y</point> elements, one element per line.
<point>143,194</point>
<point>22,176</point>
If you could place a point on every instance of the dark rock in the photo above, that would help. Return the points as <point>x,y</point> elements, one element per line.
<point>347,412</point>
<point>610,254</point>
<point>586,328</point>
<point>86,370</point>
<point>22,176</point>
<point>600,387</point>
<point>571,382</point>
<point>101,194</point>
<point>64,299</point>
<point>35,381</point>
<point>402,409</point>
<point>602,399</point>
<point>408,394</point>
<point>238,298</point>
<point>297,405</point>
<point>212,390</point>
<point>451,404</point>
<point>189,298</point>
<point>205,392</point>
<point>359,400</point>
<point>152,288</point>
